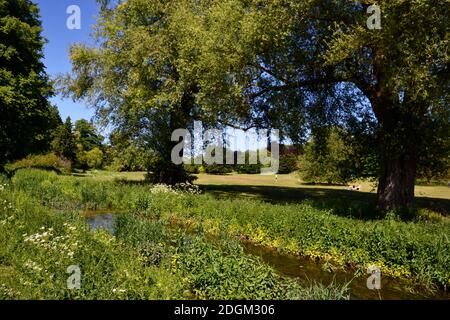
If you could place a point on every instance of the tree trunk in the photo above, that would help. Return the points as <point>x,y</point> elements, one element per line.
<point>396,182</point>
<point>397,139</point>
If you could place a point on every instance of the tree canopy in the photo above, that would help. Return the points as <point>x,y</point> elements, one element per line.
<point>299,66</point>
<point>27,117</point>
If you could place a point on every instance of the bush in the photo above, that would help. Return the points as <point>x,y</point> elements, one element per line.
<point>219,169</point>
<point>288,163</point>
<point>328,162</point>
<point>192,168</point>
<point>249,168</point>
<point>47,162</point>
<point>94,158</point>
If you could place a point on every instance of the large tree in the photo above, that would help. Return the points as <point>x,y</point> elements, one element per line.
<point>26,116</point>
<point>318,64</point>
<point>401,71</point>
<point>133,80</point>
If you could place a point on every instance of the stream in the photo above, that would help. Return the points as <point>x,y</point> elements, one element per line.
<point>305,270</point>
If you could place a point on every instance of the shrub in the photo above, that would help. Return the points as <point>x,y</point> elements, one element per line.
<point>288,163</point>
<point>94,158</point>
<point>192,168</point>
<point>219,169</point>
<point>47,162</point>
<point>249,168</point>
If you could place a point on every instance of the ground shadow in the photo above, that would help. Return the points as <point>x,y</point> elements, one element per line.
<point>354,204</point>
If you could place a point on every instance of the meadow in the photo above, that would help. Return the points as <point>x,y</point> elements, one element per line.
<point>185,242</point>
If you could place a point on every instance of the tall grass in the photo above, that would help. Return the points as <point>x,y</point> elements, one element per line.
<point>38,246</point>
<point>418,249</point>
<point>145,260</point>
<point>215,270</point>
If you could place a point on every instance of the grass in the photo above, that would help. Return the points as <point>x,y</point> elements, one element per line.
<point>335,230</point>
<point>42,233</point>
<point>289,189</point>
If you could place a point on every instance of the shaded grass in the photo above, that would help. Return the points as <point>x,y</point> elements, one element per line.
<point>289,189</point>
<point>358,205</point>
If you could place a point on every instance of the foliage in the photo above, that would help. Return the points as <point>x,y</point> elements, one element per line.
<point>401,249</point>
<point>248,168</point>
<point>48,161</point>
<point>87,136</point>
<point>27,117</point>
<point>145,260</point>
<point>411,249</point>
<point>218,270</point>
<point>288,163</point>
<point>192,168</point>
<point>335,155</point>
<point>294,66</point>
<point>154,109</point>
<point>219,169</point>
<point>89,153</point>
<point>227,273</point>
<point>131,158</point>
<point>64,143</point>
<point>94,158</point>
<point>38,247</point>
<point>328,162</point>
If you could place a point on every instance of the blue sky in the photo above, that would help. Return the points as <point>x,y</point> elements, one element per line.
<point>60,38</point>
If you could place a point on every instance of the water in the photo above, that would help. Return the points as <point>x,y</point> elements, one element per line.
<point>305,270</point>
<point>100,221</point>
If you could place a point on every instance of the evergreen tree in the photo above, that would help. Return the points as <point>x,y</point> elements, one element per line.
<point>26,116</point>
<point>64,144</point>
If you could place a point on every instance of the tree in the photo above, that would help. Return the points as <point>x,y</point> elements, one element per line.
<point>94,158</point>
<point>64,144</point>
<point>143,76</point>
<point>294,65</point>
<point>27,117</point>
<point>87,135</point>
<point>86,140</point>
<point>133,79</point>
<point>318,64</point>
<point>333,161</point>
<point>129,155</point>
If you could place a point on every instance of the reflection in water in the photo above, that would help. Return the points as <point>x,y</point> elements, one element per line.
<point>101,221</point>
<point>305,270</point>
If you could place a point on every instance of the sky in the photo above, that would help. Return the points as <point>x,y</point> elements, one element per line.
<point>59,39</point>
